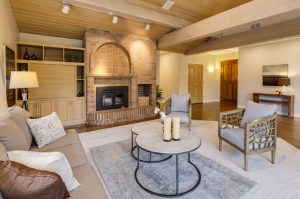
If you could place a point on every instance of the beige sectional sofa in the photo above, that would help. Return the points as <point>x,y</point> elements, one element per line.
<point>14,136</point>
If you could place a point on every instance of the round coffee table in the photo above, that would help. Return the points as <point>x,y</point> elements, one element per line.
<point>154,143</point>
<point>149,128</point>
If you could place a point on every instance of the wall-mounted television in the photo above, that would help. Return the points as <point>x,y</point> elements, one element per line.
<point>272,73</point>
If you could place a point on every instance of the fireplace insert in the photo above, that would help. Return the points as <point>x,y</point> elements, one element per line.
<point>112,97</point>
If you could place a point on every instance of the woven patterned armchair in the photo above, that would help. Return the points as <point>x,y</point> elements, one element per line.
<point>258,136</point>
<point>185,117</point>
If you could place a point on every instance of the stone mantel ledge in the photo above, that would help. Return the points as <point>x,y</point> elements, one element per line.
<point>108,75</point>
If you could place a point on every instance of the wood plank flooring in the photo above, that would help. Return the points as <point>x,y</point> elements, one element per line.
<point>288,129</point>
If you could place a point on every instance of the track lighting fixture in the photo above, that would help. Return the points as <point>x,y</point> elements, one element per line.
<point>147,26</point>
<point>66,8</point>
<point>115,19</point>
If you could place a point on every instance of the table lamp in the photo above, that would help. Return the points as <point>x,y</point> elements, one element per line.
<point>284,82</point>
<point>4,114</point>
<point>23,80</point>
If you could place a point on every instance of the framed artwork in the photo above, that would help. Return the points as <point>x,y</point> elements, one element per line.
<point>272,73</point>
<point>8,66</point>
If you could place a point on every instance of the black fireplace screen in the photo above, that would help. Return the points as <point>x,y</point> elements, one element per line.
<point>111,97</point>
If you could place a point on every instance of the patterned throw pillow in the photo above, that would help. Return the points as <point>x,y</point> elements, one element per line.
<point>46,129</point>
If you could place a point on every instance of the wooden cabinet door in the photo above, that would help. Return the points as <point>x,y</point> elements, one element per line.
<point>62,108</point>
<point>77,109</point>
<point>195,86</point>
<point>44,107</point>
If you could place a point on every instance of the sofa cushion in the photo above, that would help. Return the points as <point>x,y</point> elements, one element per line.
<point>19,116</point>
<point>12,136</point>
<point>71,137</point>
<point>184,117</point>
<point>3,154</point>
<point>25,182</point>
<point>90,187</point>
<point>74,153</point>
<point>180,103</point>
<point>47,129</point>
<point>256,111</point>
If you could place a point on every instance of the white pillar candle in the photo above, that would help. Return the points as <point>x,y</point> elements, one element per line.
<point>167,129</point>
<point>176,128</point>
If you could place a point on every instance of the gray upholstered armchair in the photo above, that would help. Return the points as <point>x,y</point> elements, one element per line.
<point>257,136</point>
<point>181,108</point>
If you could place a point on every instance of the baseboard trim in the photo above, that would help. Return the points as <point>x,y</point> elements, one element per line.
<point>212,100</point>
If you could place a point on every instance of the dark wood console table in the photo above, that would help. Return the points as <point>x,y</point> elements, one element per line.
<point>283,99</point>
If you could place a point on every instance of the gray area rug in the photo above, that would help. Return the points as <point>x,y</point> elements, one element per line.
<point>117,167</point>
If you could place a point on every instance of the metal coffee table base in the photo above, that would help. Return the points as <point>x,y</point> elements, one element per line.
<point>177,178</point>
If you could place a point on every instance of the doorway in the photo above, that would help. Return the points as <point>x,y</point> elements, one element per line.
<point>229,81</point>
<point>195,83</point>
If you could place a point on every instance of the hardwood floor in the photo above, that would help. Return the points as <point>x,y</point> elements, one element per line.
<point>288,129</point>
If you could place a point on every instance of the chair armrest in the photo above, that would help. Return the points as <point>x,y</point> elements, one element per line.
<point>261,133</point>
<point>166,107</point>
<point>230,119</point>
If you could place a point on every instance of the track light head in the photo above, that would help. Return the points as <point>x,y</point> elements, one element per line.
<point>115,19</point>
<point>65,9</point>
<point>147,26</point>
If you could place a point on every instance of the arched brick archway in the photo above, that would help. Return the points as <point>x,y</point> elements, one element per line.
<point>110,58</point>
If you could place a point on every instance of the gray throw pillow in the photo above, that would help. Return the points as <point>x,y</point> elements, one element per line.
<point>180,103</point>
<point>256,111</point>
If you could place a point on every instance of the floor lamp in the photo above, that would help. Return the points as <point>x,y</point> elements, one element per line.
<point>23,80</point>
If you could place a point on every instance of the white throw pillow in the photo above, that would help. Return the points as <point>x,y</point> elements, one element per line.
<point>49,161</point>
<point>180,103</point>
<point>46,129</point>
<point>256,111</point>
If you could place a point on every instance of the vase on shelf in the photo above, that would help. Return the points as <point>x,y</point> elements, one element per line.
<point>33,57</point>
<point>26,54</point>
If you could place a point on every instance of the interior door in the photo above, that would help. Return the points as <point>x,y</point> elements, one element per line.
<point>195,85</point>
<point>229,80</point>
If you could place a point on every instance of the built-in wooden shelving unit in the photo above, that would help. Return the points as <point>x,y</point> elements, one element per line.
<point>61,75</point>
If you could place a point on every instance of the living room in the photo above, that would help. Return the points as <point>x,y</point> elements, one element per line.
<point>149,99</point>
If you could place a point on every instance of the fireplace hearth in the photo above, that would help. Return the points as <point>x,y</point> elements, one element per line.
<point>112,97</point>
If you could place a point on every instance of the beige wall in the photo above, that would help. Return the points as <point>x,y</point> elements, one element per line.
<point>173,75</point>
<point>59,41</point>
<point>251,60</point>
<point>9,32</point>
<point>169,73</point>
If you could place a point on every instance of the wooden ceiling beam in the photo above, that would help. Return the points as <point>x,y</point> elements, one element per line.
<point>130,11</point>
<point>270,33</point>
<point>251,12</point>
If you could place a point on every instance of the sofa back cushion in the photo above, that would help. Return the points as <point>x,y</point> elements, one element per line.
<point>3,154</point>
<point>256,111</point>
<point>19,116</point>
<point>12,136</point>
<point>180,103</point>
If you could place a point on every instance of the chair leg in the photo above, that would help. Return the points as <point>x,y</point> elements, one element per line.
<point>245,162</point>
<point>220,144</point>
<point>273,156</point>
<point>190,125</point>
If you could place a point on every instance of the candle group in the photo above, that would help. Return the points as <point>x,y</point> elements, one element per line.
<point>169,132</point>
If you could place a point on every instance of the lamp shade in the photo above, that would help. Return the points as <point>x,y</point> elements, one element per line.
<point>4,114</point>
<point>284,81</point>
<point>23,79</point>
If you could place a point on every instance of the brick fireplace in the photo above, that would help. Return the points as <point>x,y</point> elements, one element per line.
<point>114,61</point>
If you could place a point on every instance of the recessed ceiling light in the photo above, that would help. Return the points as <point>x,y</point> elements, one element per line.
<point>115,19</point>
<point>147,26</point>
<point>168,5</point>
<point>65,9</point>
